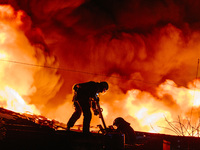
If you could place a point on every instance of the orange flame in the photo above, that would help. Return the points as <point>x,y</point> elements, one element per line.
<point>14,45</point>
<point>148,113</point>
<point>11,100</point>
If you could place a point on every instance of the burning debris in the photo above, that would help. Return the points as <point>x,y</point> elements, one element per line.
<point>10,118</point>
<point>22,131</point>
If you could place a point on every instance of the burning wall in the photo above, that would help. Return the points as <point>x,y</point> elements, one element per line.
<point>146,51</point>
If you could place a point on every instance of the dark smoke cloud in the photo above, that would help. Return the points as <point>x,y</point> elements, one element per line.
<point>149,41</point>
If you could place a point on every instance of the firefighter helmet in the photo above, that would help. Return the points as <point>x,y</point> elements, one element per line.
<point>104,85</point>
<point>118,121</point>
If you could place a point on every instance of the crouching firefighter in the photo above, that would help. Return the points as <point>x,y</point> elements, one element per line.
<point>85,96</point>
<point>124,127</point>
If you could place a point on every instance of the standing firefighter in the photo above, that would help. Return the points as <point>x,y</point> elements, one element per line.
<point>85,95</point>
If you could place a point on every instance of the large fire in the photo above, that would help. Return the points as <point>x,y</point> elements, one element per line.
<point>152,112</point>
<point>19,81</point>
<point>14,79</point>
<point>27,86</point>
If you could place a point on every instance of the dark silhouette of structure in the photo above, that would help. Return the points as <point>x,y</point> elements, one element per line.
<point>84,95</point>
<point>26,131</point>
<point>124,127</point>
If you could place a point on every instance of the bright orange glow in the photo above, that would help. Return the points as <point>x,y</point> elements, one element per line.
<point>148,112</point>
<point>151,111</point>
<point>14,45</point>
<point>2,56</point>
<point>11,100</point>
<point>196,98</point>
<point>105,111</point>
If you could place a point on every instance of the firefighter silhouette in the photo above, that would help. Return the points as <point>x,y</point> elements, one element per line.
<point>124,127</point>
<point>84,96</point>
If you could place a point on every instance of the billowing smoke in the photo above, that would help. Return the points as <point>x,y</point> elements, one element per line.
<point>139,47</point>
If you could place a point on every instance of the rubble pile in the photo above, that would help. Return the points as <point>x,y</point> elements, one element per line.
<point>27,131</point>
<point>10,119</point>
